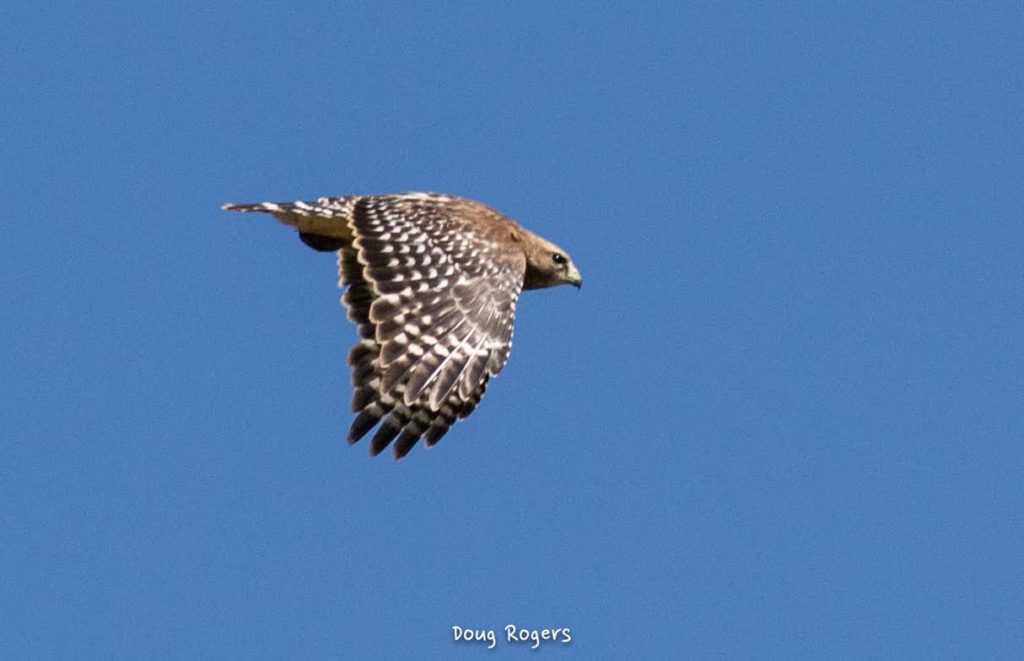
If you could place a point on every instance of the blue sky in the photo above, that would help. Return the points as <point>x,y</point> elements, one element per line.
<point>782,420</point>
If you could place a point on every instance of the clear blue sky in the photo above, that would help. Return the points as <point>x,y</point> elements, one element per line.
<point>782,420</point>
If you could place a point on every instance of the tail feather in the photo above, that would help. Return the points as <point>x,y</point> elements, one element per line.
<point>323,224</point>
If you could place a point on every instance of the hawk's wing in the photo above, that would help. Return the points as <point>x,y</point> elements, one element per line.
<point>432,286</point>
<point>440,294</point>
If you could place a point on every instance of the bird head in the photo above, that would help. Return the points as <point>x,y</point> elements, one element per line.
<point>547,265</point>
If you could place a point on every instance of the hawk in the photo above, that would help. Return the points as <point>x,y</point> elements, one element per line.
<point>432,284</point>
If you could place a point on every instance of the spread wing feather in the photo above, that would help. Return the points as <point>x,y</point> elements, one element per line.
<point>432,289</point>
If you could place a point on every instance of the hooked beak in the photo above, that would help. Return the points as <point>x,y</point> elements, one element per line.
<point>574,277</point>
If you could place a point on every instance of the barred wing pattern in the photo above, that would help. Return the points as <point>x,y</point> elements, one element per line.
<point>432,291</point>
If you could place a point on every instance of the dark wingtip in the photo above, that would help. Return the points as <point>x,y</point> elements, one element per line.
<point>363,423</point>
<point>385,434</point>
<point>405,443</point>
<point>434,434</point>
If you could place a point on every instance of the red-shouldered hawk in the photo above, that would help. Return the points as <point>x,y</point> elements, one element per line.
<point>432,282</point>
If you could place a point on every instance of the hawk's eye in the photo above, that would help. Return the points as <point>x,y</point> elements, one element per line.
<point>558,258</point>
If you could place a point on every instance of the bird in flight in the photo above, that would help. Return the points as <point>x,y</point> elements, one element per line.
<point>432,284</point>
